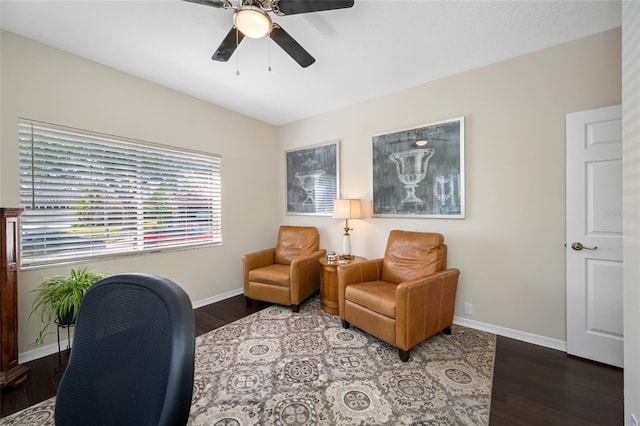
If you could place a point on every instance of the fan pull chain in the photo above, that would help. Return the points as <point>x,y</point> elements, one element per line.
<point>269,44</point>
<point>237,54</point>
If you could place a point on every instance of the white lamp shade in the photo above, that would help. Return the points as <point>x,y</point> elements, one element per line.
<point>347,209</point>
<point>252,21</point>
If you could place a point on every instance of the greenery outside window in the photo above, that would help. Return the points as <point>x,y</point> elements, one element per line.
<point>90,195</point>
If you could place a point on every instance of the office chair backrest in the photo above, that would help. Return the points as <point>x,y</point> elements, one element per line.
<point>132,361</point>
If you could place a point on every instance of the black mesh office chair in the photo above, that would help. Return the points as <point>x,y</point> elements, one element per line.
<point>132,359</point>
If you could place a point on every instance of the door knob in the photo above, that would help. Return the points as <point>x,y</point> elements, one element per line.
<point>579,246</point>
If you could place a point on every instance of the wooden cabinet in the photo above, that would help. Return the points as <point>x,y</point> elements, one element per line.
<point>11,374</point>
<point>329,284</point>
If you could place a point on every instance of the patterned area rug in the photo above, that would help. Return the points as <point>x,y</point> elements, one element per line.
<point>277,367</point>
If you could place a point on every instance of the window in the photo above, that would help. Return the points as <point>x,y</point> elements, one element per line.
<point>87,195</point>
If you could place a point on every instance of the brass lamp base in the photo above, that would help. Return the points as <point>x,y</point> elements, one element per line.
<point>347,257</point>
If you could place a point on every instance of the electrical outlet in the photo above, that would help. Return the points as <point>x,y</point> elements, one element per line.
<point>468,309</point>
<point>634,420</point>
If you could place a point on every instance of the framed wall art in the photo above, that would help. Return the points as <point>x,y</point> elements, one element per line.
<point>419,172</point>
<point>312,179</point>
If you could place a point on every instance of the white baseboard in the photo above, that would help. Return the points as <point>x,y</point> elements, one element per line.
<point>42,351</point>
<point>523,336</point>
<point>217,298</point>
<point>547,342</point>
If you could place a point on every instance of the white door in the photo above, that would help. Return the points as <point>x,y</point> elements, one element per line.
<point>594,235</point>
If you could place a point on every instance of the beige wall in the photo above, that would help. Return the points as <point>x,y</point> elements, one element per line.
<point>45,84</point>
<point>510,248</point>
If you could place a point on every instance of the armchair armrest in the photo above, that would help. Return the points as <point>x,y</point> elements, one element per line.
<point>424,306</point>
<point>305,270</point>
<point>352,273</point>
<point>256,260</point>
<point>311,258</point>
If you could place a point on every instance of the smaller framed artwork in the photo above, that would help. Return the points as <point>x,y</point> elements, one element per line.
<point>419,171</point>
<point>313,179</point>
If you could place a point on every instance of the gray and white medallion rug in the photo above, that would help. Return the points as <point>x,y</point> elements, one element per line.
<point>277,367</point>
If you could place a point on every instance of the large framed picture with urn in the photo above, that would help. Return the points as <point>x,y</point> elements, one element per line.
<point>313,179</point>
<point>419,171</point>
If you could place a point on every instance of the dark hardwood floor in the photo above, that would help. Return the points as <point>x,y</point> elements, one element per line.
<point>532,385</point>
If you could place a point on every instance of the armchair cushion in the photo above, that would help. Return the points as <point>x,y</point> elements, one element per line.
<point>275,274</point>
<point>411,255</point>
<point>378,296</point>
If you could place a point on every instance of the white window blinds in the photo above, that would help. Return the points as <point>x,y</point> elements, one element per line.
<point>87,194</point>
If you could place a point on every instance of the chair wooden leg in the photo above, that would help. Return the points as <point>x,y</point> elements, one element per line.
<point>345,323</point>
<point>295,308</point>
<point>447,331</point>
<point>248,301</point>
<point>404,355</point>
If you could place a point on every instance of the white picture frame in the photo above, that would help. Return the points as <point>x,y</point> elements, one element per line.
<point>312,179</point>
<point>412,179</point>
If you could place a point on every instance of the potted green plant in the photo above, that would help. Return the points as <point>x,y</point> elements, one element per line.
<point>59,298</point>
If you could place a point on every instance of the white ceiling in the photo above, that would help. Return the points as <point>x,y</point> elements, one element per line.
<point>374,48</point>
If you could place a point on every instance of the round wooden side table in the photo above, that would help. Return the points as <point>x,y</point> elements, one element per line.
<point>329,283</point>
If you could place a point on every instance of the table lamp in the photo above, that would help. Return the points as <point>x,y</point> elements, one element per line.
<point>347,209</point>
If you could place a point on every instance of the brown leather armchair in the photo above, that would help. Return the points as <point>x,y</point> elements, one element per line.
<point>404,298</point>
<point>288,273</point>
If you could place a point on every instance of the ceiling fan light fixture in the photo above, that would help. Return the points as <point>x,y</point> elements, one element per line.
<point>252,21</point>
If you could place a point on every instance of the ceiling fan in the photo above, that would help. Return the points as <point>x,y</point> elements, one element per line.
<point>251,19</point>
